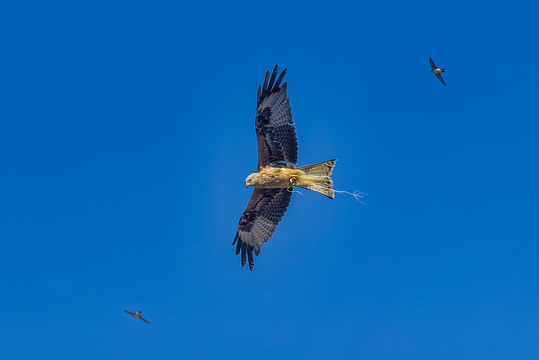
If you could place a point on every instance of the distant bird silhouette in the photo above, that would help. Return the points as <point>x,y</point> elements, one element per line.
<point>137,314</point>
<point>437,71</point>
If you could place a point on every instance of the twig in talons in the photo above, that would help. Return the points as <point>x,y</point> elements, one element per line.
<point>355,194</point>
<point>293,180</point>
<point>289,189</point>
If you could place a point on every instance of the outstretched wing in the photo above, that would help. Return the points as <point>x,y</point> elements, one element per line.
<point>275,132</point>
<point>258,221</point>
<point>439,76</point>
<point>432,64</point>
<point>129,312</point>
<point>141,318</point>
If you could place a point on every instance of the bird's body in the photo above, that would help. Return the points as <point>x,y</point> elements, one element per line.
<point>137,315</point>
<point>276,173</point>
<point>285,177</point>
<point>436,71</point>
<point>273,177</point>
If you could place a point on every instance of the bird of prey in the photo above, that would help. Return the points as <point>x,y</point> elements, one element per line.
<point>276,173</point>
<point>437,71</point>
<point>137,314</point>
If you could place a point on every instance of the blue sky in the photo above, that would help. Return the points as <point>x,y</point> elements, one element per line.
<point>126,133</point>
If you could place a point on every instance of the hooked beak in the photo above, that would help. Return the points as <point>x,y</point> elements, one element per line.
<point>247,184</point>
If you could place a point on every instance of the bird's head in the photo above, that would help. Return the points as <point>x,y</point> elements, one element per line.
<point>251,180</point>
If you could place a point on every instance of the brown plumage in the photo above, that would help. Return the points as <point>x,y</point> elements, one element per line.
<point>276,173</point>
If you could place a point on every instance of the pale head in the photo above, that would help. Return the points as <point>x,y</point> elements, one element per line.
<point>251,180</point>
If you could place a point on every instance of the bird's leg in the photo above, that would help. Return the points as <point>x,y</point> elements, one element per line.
<point>293,179</point>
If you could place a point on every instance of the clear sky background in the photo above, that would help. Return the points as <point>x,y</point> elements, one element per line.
<point>126,133</point>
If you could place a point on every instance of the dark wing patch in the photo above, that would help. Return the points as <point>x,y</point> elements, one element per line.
<point>258,221</point>
<point>275,132</point>
<point>432,64</point>
<point>440,77</point>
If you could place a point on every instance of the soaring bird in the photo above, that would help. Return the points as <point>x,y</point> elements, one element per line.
<point>276,173</point>
<point>137,314</point>
<point>438,72</point>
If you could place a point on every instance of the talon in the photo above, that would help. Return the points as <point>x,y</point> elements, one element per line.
<point>293,179</point>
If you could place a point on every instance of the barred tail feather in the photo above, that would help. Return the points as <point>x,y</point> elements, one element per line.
<point>317,178</point>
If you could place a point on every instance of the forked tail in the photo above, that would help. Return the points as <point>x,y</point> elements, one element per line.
<point>316,178</point>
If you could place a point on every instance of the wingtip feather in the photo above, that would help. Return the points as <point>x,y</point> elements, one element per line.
<point>265,86</point>
<point>238,247</point>
<point>243,255</point>
<point>272,80</point>
<point>251,259</point>
<point>278,82</point>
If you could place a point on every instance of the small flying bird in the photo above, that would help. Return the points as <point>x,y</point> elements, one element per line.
<point>276,173</point>
<point>437,71</point>
<point>137,314</point>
